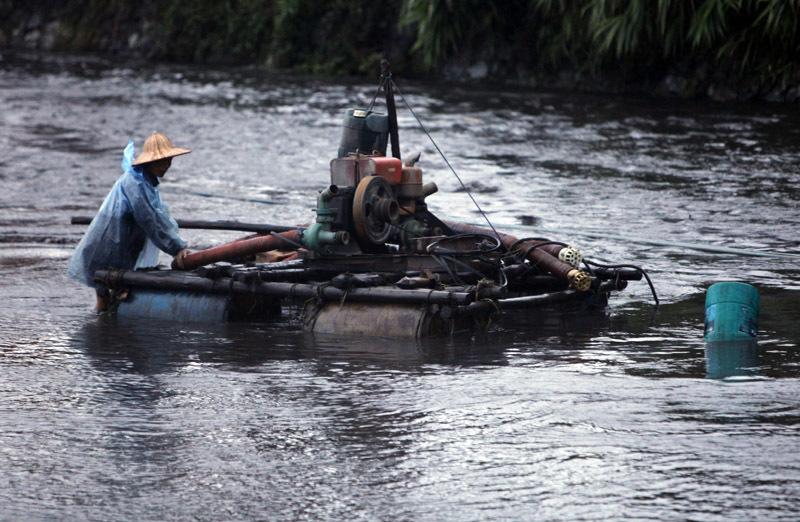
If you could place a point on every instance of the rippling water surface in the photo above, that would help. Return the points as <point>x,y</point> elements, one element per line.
<point>614,415</point>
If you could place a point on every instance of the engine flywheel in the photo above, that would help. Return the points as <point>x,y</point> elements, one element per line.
<point>374,210</point>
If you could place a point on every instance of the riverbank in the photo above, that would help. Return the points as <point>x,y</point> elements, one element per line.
<point>739,53</point>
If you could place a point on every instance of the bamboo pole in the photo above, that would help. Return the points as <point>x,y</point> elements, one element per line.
<point>199,224</point>
<point>191,283</point>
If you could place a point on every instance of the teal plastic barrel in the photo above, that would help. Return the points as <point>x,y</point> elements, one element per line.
<point>731,312</point>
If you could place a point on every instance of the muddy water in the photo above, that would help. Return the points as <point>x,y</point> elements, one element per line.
<point>610,415</point>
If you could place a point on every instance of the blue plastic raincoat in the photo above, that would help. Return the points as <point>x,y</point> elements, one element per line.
<point>128,230</point>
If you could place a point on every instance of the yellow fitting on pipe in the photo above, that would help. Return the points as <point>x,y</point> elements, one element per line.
<point>579,280</point>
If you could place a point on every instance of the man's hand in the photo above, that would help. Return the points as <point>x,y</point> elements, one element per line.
<point>177,260</point>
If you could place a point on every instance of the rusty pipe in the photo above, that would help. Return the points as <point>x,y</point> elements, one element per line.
<point>243,247</point>
<point>578,279</point>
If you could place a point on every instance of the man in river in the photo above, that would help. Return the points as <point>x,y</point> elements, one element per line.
<point>133,224</point>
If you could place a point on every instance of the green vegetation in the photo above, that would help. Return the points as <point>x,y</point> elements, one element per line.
<point>336,37</point>
<point>756,40</point>
<point>445,26</point>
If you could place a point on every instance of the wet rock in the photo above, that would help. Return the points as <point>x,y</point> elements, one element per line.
<point>720,93</point>
<point>793,94</point>
<point>34,22</point>
<point>48,39</point>
<point>133,39</point>
<point>775,95</point>
<point>479,71</point>
<point>31,38</point>
<point>673,85</point>
<point>748,91</point>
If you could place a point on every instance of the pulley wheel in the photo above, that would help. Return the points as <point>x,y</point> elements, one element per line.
<point>374,210</point>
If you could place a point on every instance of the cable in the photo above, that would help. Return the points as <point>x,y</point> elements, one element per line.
<point>640,269</point>
<point>544,241</point>
<point>394,85</point>
<point>434,247</point>
<point>453,277</point>
<point>372,103</point>
<point>465,265</point>
<point>410,233</point>
<point>502,272</point>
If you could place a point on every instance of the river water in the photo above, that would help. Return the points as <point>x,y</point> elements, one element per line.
<point>613,415</point>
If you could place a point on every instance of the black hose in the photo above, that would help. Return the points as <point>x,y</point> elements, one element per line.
<point>453,277</point>
<point>640,269</point>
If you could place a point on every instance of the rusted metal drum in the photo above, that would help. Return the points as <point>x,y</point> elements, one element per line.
<point>380,320</point>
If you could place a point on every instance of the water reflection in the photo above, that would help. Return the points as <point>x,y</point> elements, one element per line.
<point>154,347</point>
<point>732,358</point>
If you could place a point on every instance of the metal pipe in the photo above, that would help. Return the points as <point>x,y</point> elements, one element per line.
<point>429,188</point>
<point>329,193</point>
<point>209,225</point>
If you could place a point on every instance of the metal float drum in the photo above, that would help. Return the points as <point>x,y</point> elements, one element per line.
<point>399,321</point>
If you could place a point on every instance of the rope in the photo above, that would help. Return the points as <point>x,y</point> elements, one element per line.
<point>399,92</point>
<point>372,103</point>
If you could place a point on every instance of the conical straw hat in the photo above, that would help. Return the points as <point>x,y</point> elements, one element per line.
<point>157,147</point>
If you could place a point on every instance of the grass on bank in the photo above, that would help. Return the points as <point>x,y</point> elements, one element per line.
<point>753,39</point>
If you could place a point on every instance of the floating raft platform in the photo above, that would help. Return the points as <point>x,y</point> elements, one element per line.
<point>376,261</point>
<point>323,298</point>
